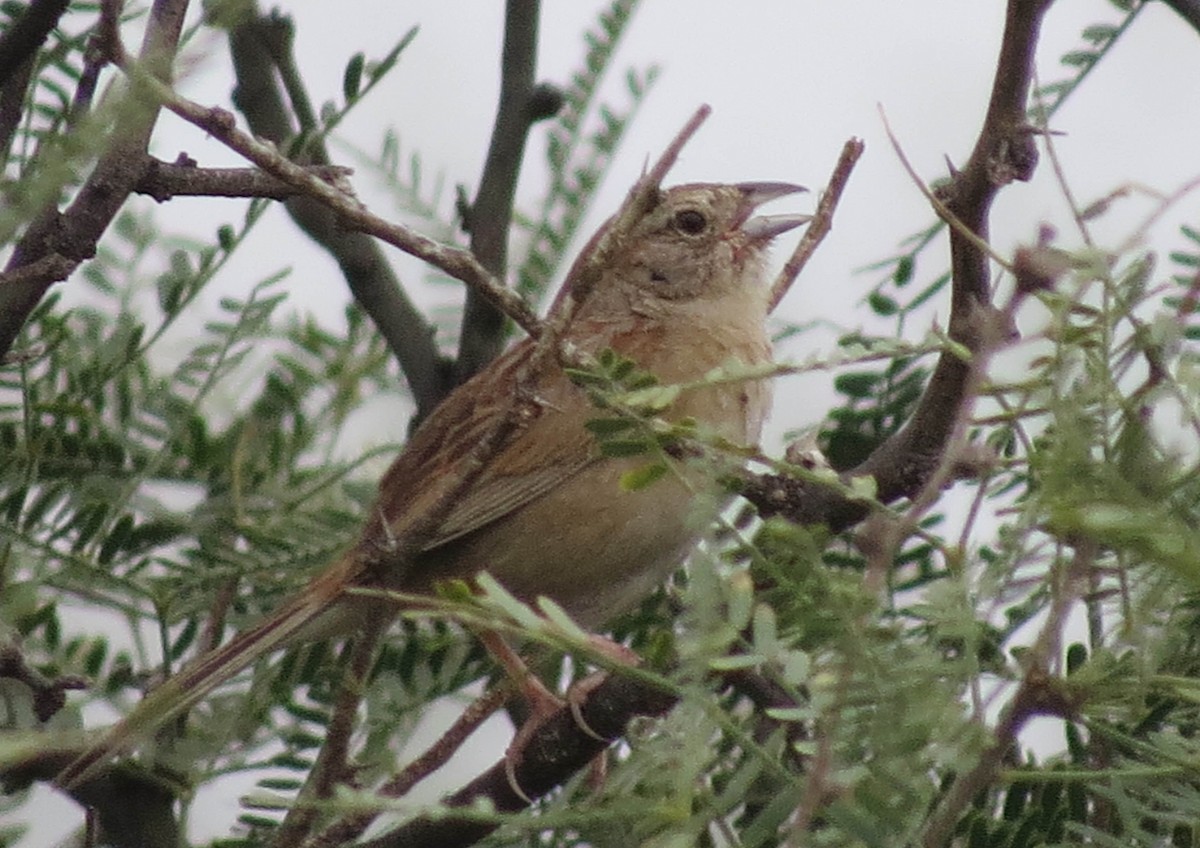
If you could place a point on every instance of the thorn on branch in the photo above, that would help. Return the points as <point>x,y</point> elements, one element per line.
<point>462,208</point>
<point>1015,156</point>
<point>545,100</point>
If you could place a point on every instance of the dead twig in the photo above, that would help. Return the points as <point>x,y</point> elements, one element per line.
<point>821,224</point>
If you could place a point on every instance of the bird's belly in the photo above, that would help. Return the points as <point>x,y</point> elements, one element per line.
<point>588,545</point>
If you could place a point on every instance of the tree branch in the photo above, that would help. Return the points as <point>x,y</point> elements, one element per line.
<point>1189,10</point>
<point>25,35</point>
<point>557,751</point>
<point>74,234</point>
<point>490,216</point>
<point>256,46</point>
<point>182,178</point>
<point>12,104</point>
<point>903,464</point>
<point>821,224</point>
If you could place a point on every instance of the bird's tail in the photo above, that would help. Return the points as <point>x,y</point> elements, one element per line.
<point>194,681</point>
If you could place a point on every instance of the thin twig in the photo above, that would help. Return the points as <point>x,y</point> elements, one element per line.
<point>331,767</point>
<point>817,779</point>
<point>455,262</point>
<point>183,178</point>
<point>821,224</point>
<point>940,207</point>
<point>437,755</point>
<point>1038,693</point>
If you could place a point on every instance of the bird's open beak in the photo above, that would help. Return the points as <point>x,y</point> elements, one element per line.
<point>763,228</point>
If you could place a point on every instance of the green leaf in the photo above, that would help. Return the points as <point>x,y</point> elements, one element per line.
<point>882,305</point>
<point>352,76</point>
<point>736,662</point>
<point>643,476</point>
<point>581,377</point>
<point>1080,58</point>
<point>859,384</point>
<point>559,617</point>
<point>651,398</point>
<point>499,598</point>
<point>624,447</point>
<point>609,426</point>
<point>1098,34</point>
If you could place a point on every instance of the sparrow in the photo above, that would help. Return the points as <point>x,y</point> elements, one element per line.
<point>683,291</point>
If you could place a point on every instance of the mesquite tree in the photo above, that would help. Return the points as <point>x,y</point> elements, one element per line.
<point>840,663</point>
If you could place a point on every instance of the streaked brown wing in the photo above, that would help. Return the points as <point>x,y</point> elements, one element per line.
<point>539,456</point>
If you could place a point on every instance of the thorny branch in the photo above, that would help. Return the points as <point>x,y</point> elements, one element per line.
<point>903,464</point>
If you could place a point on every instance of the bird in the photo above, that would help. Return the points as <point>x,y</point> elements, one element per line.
<point>683,291</point>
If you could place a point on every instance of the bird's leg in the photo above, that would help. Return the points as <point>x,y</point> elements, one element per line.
<point>578,692</point>
<point>543,703</point>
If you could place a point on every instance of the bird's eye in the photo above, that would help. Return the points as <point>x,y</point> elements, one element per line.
<point>690,221</point>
